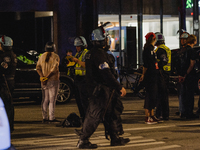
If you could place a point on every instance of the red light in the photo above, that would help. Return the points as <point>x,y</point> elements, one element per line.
<point>117,56</point>
<point>115,39</point>
<point>191,13</point>
<point>130,16</point>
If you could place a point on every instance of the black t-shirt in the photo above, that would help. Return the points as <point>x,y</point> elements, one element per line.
<point>149,59</point>
<point>98,70</point>
<point>185,55</point>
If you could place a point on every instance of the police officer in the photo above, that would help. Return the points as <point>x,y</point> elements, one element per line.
<point>79,79</point>
<point>8,63</point>
<point>102,87</point>
<point>163,54</point>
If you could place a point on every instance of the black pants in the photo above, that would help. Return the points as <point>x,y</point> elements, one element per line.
<point>187,94</point>
<point>8,102</point>
<point>81,95</point>
<point>162,107</point>
<point>95,112</point>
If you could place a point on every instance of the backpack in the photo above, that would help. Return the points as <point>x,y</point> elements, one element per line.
<point>73,120</point>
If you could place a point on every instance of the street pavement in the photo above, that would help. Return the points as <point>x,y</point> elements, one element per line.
<point>175,134</point>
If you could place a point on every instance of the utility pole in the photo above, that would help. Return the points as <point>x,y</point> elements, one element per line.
<point>140,21</point>
<point>196,19</point>
<point>182,17</point>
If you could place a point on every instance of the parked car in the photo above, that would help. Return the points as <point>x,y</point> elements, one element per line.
<point>27,83</point>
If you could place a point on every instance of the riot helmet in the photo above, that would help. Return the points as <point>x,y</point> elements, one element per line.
<point>184,35</point>
<point>7,42</point>
<point>160,39</point>
<point>80,41</point>
<point>50,47</point>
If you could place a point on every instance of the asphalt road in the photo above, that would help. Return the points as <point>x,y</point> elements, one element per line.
<point>175,134</point>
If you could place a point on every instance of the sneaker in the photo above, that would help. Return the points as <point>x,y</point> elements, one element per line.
<point>156,119</point>
<point>149,120</point>
<point>45,121</point>
<point>85,144</point>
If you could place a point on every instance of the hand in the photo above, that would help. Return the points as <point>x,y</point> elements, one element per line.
<point>123,91</point>
<point>74,59</point>
<point>141,78</point>
<point>44,82</point>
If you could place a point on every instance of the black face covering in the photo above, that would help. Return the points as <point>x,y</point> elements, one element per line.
<point>7,48</point>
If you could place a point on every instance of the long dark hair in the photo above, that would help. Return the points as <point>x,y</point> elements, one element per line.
<point>48,57</point>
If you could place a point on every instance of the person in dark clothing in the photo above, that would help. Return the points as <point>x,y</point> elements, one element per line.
<point>187,77</point>
<point>67,64</point>
<point>8,62</point>
<point>149,78</point>
<point>163,54</point>
<point>104,91</point>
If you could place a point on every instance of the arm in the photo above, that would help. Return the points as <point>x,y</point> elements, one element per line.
<point>192,62</point>
<point>143,73</point>
<point>79,62</point>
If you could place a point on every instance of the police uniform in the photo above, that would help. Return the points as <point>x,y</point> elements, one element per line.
<point>163,54</point>
<point>8,63</point>
<point>79,81</point>
<point>101,82</point>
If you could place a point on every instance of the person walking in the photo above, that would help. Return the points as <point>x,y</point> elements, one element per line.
<point>8,62</point>
<point>102,87</point>
<point>48,69</point>
<point>163,54</point>
<point>80,72</point>
<point>149,76</point>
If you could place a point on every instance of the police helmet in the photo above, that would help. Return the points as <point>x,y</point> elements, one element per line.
<point>80,41</point>
<point>184,35</point>
<point>6,41</point>
<point>50,47</point>
<point>159,36</point>
<point>98,34</point>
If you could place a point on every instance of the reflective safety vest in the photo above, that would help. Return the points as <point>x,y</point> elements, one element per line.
<point>168,51</point>
<point>79,70</point>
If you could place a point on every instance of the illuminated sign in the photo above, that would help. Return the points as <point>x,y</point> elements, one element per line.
<point>189,4</point>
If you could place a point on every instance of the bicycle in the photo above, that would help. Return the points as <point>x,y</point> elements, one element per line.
<point>132,78</point>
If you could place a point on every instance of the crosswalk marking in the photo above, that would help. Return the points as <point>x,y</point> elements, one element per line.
<point>69,141</point>
<point>164,147</point>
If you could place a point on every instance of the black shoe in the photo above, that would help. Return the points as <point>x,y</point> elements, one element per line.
<point>54,121</point>
<point>183,116</point>
<point>119,142</point>
<point>124,140</point>
<point>78,132</point>
<point>45,121</point>
<point>177,113</point>
<point>85,144</point>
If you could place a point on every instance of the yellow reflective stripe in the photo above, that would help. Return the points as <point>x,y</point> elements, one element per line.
<point>168,51</point>
<point>78,69</point>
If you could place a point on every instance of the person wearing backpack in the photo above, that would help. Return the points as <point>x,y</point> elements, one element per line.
<point>187,78</point>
